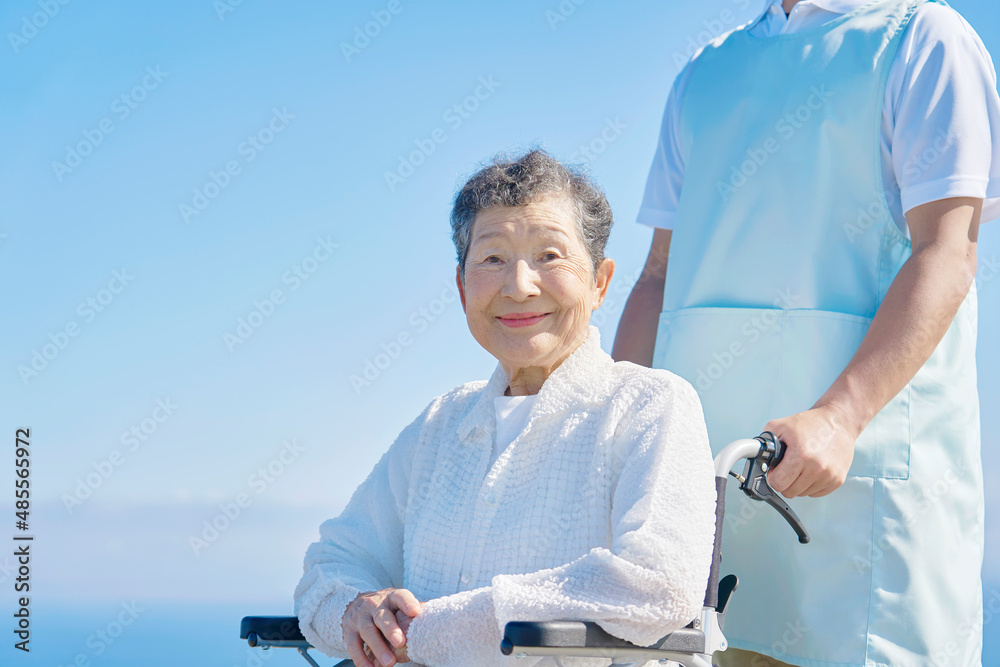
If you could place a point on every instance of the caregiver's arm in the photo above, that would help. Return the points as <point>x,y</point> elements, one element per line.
<point>652,578</point>
<point>912,319</point>
<point>636,336</point>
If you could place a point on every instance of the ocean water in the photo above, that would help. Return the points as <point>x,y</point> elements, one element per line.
<point>146,634</point>
<point>169,634</point>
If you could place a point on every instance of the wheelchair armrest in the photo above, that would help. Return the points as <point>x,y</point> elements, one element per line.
<point>272,631</point>
<point>279,632</point>
<point>582,638</point>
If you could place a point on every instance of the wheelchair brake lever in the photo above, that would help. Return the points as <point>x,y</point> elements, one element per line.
<point>757,487</point>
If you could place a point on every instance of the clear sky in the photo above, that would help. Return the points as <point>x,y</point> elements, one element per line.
<point>225,243</point>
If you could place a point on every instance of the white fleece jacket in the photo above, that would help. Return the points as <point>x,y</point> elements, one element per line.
<point>602,509</point>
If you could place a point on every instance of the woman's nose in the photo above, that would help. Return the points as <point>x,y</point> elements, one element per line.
<point>522,281</point>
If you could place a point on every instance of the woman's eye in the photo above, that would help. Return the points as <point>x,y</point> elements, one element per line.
<point>549,256</point>
<point>492,259</point>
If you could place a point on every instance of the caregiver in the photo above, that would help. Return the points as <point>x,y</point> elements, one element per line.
<point>819,183</point>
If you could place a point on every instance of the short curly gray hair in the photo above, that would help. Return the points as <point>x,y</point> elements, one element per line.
<point>532,177</point>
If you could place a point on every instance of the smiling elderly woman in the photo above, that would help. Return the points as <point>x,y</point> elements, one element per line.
<point>567,486</point>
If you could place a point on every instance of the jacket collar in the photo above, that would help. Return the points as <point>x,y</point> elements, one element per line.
<point>578,382</point>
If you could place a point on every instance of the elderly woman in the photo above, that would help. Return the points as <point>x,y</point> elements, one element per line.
<point>566,486</point>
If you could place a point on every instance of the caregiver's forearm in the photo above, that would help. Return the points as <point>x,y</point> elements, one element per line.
<point>636,335</point>
<point>917,310</point>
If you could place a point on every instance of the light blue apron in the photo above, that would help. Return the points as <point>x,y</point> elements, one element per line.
<point>782,251</point>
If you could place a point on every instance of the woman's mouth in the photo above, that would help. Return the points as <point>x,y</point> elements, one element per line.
<point>516,320</point>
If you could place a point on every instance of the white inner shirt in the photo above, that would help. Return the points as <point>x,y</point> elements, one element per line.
<point>940,118</point>
<point>512,416</point>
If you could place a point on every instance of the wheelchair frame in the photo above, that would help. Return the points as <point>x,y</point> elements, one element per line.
<point>691,646</point>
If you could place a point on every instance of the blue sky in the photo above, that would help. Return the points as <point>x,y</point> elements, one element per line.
<point>246,214</point>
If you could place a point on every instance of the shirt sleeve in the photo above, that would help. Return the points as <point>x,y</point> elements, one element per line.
<point>650,582</point>
<point>359,551</point>
<point>666,174</point>
<point>946,111</point>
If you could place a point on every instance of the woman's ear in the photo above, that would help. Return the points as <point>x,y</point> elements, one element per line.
<point>461,287</point>
<point>603,278</point>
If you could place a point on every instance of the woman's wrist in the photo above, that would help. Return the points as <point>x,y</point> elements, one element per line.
<point>322,624</point>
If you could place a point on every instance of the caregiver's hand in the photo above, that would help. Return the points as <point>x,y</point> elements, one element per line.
<point>374,620</point>
<point>818,454</point>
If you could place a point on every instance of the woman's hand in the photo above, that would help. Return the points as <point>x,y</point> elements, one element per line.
<point>378,621</point>
<point>819,450</point>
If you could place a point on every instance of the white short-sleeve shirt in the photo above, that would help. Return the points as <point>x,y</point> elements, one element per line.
<point>940,117</point>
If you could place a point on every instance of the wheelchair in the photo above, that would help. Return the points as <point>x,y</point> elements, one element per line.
<point>690,646</point>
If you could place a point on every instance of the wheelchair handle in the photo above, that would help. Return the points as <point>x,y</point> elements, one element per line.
<point>773,448</point>
<point>756,486</point>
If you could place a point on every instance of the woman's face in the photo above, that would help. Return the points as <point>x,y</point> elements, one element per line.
<point>530,286</point>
